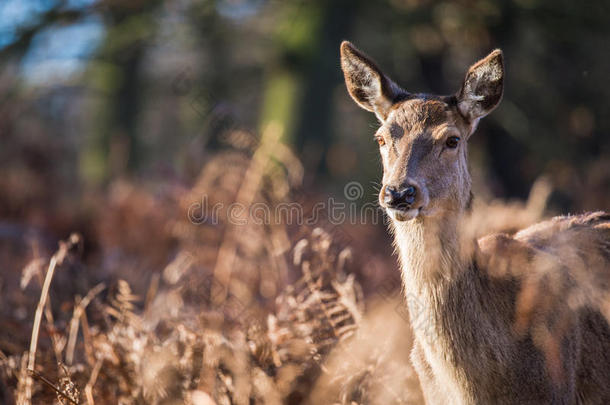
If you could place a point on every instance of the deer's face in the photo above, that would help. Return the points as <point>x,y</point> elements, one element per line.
<point>422,138</point>
<point>422,143</point>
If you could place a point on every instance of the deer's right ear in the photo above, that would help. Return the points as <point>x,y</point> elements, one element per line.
<point>367,85</point>
<point>483,87</point>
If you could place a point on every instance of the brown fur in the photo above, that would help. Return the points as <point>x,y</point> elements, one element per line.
<point>515,319</point>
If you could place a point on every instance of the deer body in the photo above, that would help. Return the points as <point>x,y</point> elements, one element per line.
<point>486,339</point>
<point>470,352</point>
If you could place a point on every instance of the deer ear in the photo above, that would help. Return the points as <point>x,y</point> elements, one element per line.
<point>483,86</point>
<point>367,85</point>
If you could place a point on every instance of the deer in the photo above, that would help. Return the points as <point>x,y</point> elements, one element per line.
<point>516,318</point>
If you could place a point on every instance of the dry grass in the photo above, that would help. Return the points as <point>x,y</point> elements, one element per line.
<point>167,353</point>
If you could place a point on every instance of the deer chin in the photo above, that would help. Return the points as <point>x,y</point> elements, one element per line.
<point>403,215</point>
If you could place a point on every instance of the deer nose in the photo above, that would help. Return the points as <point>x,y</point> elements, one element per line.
<point>400,197</point>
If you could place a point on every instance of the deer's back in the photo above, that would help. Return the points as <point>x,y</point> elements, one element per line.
<point>562,304</point>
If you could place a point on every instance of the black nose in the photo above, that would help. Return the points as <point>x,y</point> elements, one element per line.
<point>400,197</point>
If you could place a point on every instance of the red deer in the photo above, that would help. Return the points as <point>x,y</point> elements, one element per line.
<point>515,319</point>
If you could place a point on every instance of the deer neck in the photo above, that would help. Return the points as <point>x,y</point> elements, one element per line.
<point>435,258</point>
<point>443,292</point>
<point>431,252</point>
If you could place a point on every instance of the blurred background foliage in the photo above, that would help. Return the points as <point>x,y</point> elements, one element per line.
<point>96,90</point>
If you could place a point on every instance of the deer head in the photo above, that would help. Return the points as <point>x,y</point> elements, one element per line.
<point>423,138</point>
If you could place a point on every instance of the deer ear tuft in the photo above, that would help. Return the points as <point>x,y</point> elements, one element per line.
<point>483,87</point>
<point>365,82</point>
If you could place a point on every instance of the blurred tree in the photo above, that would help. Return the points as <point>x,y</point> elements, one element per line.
<point>313,132</point>
<point>295,37</point>
<point>113,146</point>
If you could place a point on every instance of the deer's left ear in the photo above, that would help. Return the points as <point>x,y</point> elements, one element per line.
<point>483,86</point>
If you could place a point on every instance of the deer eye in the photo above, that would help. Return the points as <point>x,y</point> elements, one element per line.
<point>452,142</point>
<point>380,140</point>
